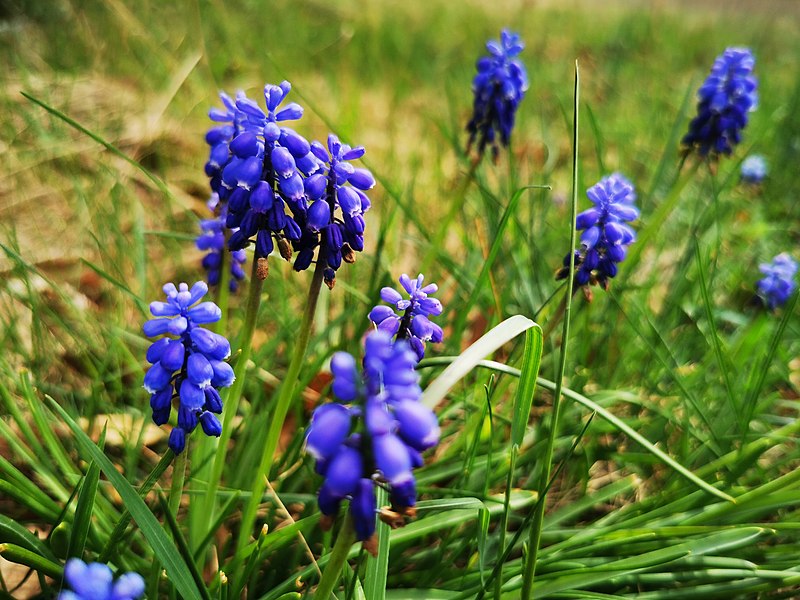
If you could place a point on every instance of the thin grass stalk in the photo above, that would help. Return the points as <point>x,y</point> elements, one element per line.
<point>203,451</point>
<point>235,394</point>
<point>338,556</point>
<point>538,518</point>
<point>282,404</point>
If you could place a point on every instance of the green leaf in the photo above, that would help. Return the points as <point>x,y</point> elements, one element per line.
<point>14,533</point>
<point>83,511</point>
<point>183,547</point>
<point>23,556</point>
<point>378,567</point>
<point>163,548</point>
<point>523,400</point>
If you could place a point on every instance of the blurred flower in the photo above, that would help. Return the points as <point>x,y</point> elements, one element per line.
<point>779,280</point>
<point>754,169</point>
<point>499,86</point>
<point>606,237</point>
<point>190,367</point>
<point>96,582</point>
<point>331,215</point>
<point>374,435</point>
<point>724,99</point>
<point>413,323</point>
<point>212,239</point>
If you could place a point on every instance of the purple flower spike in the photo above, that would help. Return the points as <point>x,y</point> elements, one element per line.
<point>726,97</point>
<point>94,581</point>
<point>190,365</point>
<point>499,86</point>
<point>412,319</point>
<point>606,234</point>
<point>779,282</point>
<point>376,433</point>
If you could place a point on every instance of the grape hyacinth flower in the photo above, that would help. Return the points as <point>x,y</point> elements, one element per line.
<point>606,236</point>
<point>727,95</point>
<point>191,366</point>
<point>212,239</point>
<point>257,165</point>
<point>499,86</point>
<point>754,169</point>
<point>374,435</point>
<point>413,323</point>
<point>96,582</point>
<point>331,215</point>
<point>779,280</point>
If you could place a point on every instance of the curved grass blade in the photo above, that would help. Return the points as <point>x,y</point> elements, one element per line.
<point>601,412</point>
<point>163,548</point>
<point>472,356</point>
<point>83,511</point>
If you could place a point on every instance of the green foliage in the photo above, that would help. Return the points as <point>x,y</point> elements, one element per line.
<point>684,484</point>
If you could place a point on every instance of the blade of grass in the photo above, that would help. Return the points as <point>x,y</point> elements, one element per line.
<point>83,511</point>
<point>469,359</point>
<point>163,549</point>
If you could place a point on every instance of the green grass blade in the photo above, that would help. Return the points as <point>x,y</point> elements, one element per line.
<point>183,547</point>
<point>378,567</point>
<point>23,556</point>
<point>523,401</point>
<point>12,532</point>
<point>83,511</point>
<point>164,550</point>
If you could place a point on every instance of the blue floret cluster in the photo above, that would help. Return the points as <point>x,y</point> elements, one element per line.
<point>412,321</point>
<point>95,581</point>
<point>374,434</point>
<point>499,86</point>
<point>212,239</point>
<point>280,189</point>
<point>778,283</point>
<point>606,234</point>
<point>190,366</point>
<point>726,97</point>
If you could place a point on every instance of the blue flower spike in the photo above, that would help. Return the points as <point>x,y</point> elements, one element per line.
<point>726,97</point>
<point>779,281</point>
<point>412,321</point>
<point>332,214</point>
<point>606,235</point>
<point>374,435</point>
<point>189,366</point>
<point>212,240</point>
<point>499,86</point>
<point>94,581</point>
<point>754,169</point>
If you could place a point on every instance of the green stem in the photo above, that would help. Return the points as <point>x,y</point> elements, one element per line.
<point>282,405</point>
<point>235,394</point>
<point>176,487</point>
<point>125,518</point>
<point>538,517</point>
<point>203,450</point>
<point>338,556</point>
<point>498,582</point>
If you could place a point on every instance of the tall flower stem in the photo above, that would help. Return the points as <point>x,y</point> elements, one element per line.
<point>203,451</point>
<point>178,478</point>
<point>284,401</point>
<point>529,569</point>
<point>338,556</point>
<point>235,394</point>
